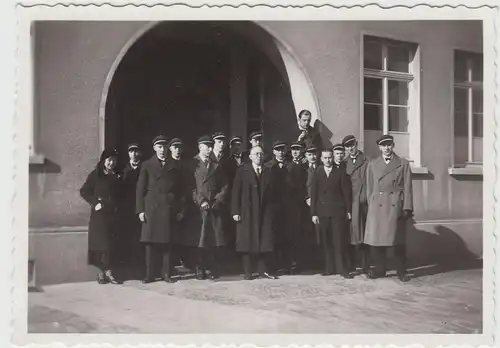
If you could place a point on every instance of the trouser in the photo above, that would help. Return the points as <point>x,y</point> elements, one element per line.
<point>379,255</point>
<point>334,240</point>
<point>208,258</point>
<point>155,252</point>
<point>262,263</point>
<point>360,256</point>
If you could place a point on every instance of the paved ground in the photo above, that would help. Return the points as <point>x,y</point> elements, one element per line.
<point>449,302</point>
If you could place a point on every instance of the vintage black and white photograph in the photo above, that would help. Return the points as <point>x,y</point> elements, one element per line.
<point>267,175</point>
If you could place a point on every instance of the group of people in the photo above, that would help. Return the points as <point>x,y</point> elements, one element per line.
<point>262,206</point>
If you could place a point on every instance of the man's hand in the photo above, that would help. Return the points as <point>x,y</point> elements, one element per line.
<point>205,206</point>
<point>98,207</point>
<point>315,220</point>
<point>349,216</point>
<point>308,201</point>
<point>302,135</point>
<point>237,218</point>
<point>142,217</point>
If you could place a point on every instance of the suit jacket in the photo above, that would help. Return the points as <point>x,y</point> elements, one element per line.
<point>331,196</point>
<point>313,137</point>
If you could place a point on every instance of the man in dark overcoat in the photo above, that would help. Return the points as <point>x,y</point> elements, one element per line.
<point>280,168</point>
<point>311,156</point>
<point>356,163</point>
<point>161,196</point>
<point>131,251</point>
<point>256,138</point>
<point>331,209</point>
<point>308,135</point>
<point>253,205</point>
<point>389,190</point>
<point>210,196</point>
<point>298,210</point>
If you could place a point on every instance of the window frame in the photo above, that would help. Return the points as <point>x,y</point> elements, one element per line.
<point>413,77</point>
<point>470,86</point>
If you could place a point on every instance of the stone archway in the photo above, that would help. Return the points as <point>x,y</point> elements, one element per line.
<point>290,81</point>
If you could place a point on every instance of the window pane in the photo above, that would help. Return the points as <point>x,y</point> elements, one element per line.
<point>477,101</point>
<point>398,119</point>
<point>477,68</point>
<point>460,67</point>
<point>373,117</point>
<point>461,124</point>
<point>398,92</point>
<point>372,55</point>
<point>477,125</point>
<point>398,58</point>
<point>373,90</point>
<point>461,101</point>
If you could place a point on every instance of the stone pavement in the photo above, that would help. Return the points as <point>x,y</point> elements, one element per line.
<point>449,302</point>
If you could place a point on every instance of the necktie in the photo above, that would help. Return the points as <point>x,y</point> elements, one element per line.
<point>258,172</point>
<point>353,159</point>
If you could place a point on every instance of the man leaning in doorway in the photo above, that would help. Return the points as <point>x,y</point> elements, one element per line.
<point>390,205</point>
<point>356,163</point>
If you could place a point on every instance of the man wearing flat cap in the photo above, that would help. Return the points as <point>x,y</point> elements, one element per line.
<point>389,191</point>
<point>161,195</point>
<point>210,196</point>
<point>308,134</point>
<point>356,164</point>
<point>256,138</point>
<point>331,209</point>
<point>280,168</point>
<point>131,250</point>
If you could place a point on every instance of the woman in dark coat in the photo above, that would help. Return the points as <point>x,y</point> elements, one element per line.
<point>101,191</point>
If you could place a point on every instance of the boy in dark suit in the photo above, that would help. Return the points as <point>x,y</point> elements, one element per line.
<point>331,209</point>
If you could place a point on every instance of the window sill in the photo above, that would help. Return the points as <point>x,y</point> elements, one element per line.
<point>468,169</point>
<point>37,159</point>
<point>419,170</point>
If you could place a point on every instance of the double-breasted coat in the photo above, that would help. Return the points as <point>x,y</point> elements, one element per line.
<point>161,194</point>
<point>357,172</point>
<point>254,199</point>
<point>389,191</point>
<point>206,228</point>
<point>103,224</point>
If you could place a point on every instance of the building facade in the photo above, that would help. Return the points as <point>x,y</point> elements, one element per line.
<point>109,83</point>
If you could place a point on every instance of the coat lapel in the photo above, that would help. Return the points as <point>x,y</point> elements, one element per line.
<point>391,166</point>
<point>360,160</point>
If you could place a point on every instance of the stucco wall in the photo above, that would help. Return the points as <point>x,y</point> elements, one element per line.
<point>74,58</point>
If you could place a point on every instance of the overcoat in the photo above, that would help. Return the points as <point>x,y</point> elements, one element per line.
<point>103,224</point>
<point>357,172</point>
<point>283,191</point>
<point>390,191</point>
<point>206,228</point>
<point>312,230</point>
<point>299,213</point>
<point>254,200</point>
<point>313,137</point>
<point>161,194</point>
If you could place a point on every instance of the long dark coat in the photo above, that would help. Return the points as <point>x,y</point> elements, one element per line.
<point>161,194</point>
<point>312,231</point>
<point>299,218</point>
<point>390,191</point>
<point>255,201</point>
<point>206,228</point>
<point>357,172</point>
<point>103,224</point>
<point>283,191</point>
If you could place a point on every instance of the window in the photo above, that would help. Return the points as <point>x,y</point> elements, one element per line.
<point>390,89</point>
<point>468,108</point>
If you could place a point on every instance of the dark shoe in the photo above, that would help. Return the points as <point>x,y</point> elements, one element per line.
<point>101,279</point>
<point>374,275</point>
<point>248,277</point>
<point>266,275</point>
<point>213,276</point>
<point>147,280</point>
<point>169,280</point>
<point>293,270</point>
<point>200,274</point>
<point>325,274</point>
<point>347,275</point>
<point>404,277</point>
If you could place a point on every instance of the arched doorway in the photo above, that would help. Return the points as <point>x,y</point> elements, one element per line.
<point>191,78</point>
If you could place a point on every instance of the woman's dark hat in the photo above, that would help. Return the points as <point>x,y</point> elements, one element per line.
<point>108,153</point>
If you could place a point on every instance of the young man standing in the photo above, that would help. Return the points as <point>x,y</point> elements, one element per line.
<point>390,205</point>
<point>331,209</point>
<point>356,163</point>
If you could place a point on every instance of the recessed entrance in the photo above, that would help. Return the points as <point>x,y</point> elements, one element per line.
<point>187,79</point>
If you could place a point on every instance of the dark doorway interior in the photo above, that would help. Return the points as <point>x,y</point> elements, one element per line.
<point>176,79</point>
